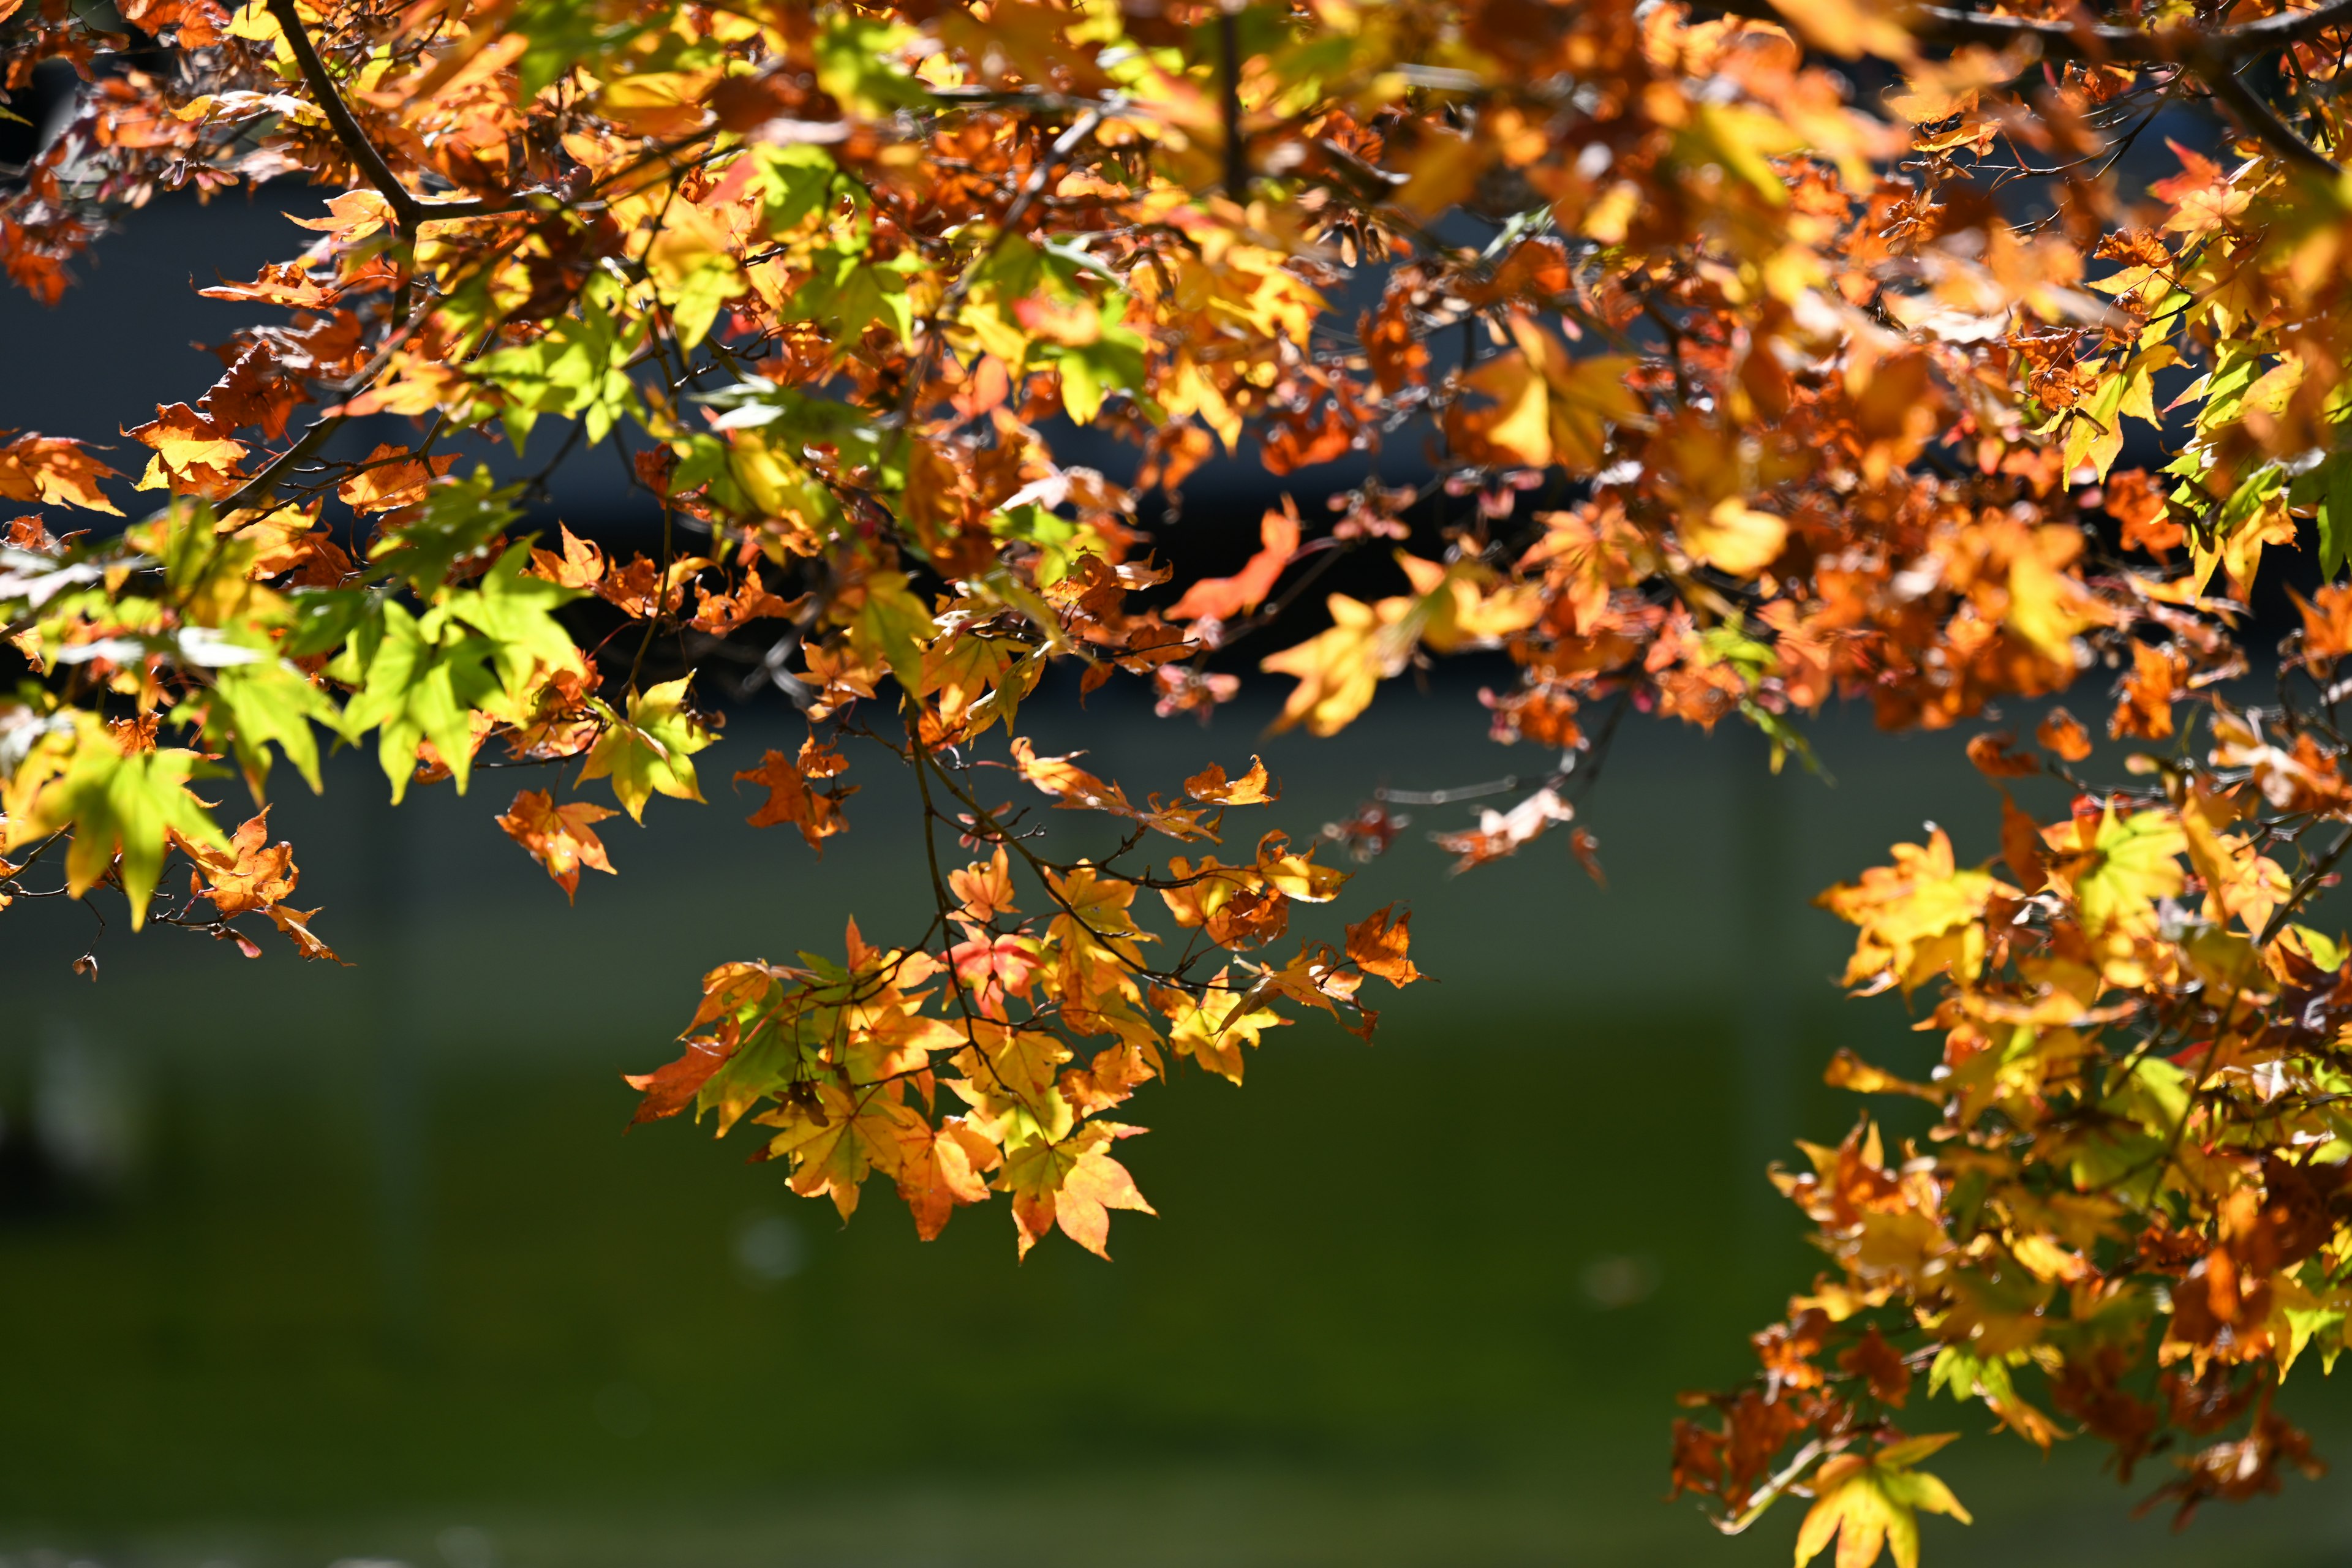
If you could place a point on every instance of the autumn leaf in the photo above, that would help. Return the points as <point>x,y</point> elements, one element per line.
<point>1872,1502</point>
<point>986,888</point>
<point>295,926</point>
<point>672,1087</point>
<point>1226,597</point>
<point>51,469</point>
<point>390,479</point>
<point>2132,861</point>
<point>649,752</point>
<point>1379,947</point>
<point>2064,736</point>
<point>187,446</point>
<point>817,814</point>
<point>560,837</point>
<point>1212,787</point>
<point>123,808</point>
<point>1339,670</point>
<point>1919,918</point>
<point>251,874</point>
<point>1993,756</point>
<point>1075,1186</point>
<point>2022,846</point>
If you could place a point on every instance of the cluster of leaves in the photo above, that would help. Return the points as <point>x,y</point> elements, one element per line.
<point>1820,399</point>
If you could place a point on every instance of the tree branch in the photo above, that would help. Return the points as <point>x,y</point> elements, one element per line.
<point>2212,56</point>
<point>407,210</point>
<point>2254,114</point>
<point>2174,46</point>
<point>2062,40</point>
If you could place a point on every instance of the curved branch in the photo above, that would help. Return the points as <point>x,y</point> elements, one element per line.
<point>2177,46</point>
<point>2255,115</point>
<point>2212,56</point>
<point>407,210</point>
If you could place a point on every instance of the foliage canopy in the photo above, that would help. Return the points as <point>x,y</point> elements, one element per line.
<point>1772,359</point>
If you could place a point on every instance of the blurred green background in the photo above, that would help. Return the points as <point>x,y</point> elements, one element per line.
<point>304,1264</point>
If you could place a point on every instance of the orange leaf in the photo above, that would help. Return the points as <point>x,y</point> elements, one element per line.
<point>1210,787</point>
<point>51,469</point>
<point>1992,753</point>
<point>559,838</point>
<point>2064,735</point>
<point>1225,597</point>
<point>671,1088</point>
<point>817,814</point>
<point>1379,947</point>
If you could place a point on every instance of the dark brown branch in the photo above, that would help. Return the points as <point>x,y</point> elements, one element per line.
<point>2178,46</point>
<point>2257,118</point>
<point>260,489</point>
<point>2211,55</point>
<point>2063,40</point>
<point>407,210</point>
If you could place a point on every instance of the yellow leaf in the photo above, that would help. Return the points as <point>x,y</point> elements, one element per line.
<point>1850,28</point>
<point>1340,669</point>
<point>1517,430</point>
<point>1734,537</point>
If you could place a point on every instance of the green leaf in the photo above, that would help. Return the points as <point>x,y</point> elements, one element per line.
<point>579,369</point>
<point>797,180</point>
<point>420,683</point>
<point>457,521</point>
<point>320,619</point>
<point>647,754</point>
<point>122,806</point>
<point>2333,482</point>
<point>515,611</point>
<point>850,65</point>
<point>895,623</point>
<point>563,34</point>
<point>268,701</point>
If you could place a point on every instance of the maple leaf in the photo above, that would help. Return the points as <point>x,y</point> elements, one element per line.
<point>671,1088</point>
<point>817,814</point>
<point>1919,918</point>
<point>295,926</point>
<point>836,1141</point>
<point>1073,1184</point>
<point>1342,668</point>
<point>941,1172</point>
<point>250,874</point>
<point>650,751</point>
<point>1379,947</point>
<point>2022,846</point>
<point>986,889</point>
<point>581,567</point>
<point>2326,621</point>
<point>390,479</point>
<point>1872,1502</point>
<point>188,446</point>
<point>1212,787</point>
<point>1212,1027</point>
<point>49,468</point>
<point>1501,833</point>
<point>1993,757</point>
<point>2061,735</point>
<point>124,808</point>
<point>2131,862</point>
<point>1223,598</point>
<point>560,837</point>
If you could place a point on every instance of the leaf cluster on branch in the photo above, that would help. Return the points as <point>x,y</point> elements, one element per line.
<point>1704,385</point>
